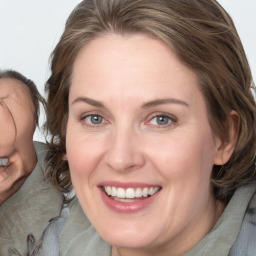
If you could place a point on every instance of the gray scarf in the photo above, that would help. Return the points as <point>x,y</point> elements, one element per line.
<point>245,244</point>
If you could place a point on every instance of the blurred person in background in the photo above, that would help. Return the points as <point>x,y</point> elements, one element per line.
<point>27,198</point>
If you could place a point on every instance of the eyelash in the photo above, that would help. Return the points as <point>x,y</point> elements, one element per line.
<point>170,119</point>
<point>90,124</point>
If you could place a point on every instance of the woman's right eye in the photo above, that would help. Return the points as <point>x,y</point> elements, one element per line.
<point>93,119</point>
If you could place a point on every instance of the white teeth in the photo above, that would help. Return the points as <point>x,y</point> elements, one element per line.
<point>113,191</point>
<point>130,193</point>
<point>108,190</point>
<point>4,161</point>
<point>138,192</point>
<point>120,192</point>
<point>145,192</point>
<point>151,191</point>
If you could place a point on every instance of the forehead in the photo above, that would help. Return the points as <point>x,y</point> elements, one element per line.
<point>128,63</point>
<point>14,92</point>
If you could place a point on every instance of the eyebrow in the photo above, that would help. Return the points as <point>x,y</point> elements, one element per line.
<point>149,104</point>
<point>158,102</point>
<point>89,101</point>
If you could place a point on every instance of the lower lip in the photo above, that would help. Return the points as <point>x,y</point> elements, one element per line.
<point>129,207</point>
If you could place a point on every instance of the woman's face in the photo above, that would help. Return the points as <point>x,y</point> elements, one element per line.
<point>139,144</point>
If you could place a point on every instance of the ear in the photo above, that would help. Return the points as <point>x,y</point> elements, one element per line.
<point>65,158</point>
<point>224,149</point>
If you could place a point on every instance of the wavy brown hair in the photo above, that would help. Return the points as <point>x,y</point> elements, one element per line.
<point>202,35</point>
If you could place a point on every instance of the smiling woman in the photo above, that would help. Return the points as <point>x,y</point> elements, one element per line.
<point>152,118</point>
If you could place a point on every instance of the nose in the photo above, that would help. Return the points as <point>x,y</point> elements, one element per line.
<point>124,151</point>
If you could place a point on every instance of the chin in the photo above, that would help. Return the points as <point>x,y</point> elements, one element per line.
<point>131,238</point>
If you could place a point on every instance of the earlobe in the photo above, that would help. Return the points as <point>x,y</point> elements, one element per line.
<point>65,158</point>
<point>224,149</point>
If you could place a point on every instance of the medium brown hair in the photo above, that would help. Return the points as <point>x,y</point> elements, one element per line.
<point>204,38</point>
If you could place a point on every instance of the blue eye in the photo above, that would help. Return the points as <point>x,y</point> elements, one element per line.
<point>94,119</point>
<point>161,120</point>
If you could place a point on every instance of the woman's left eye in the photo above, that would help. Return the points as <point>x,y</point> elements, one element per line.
<point>161,120</point>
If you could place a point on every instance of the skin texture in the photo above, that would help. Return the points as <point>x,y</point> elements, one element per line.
<point>18,148</point>
<point>123,75</point>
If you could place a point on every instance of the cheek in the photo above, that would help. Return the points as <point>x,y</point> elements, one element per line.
<point>83,152</point>
<point>186,157</point>
<point>77,155</point>
<point>80,168</point>
<point>185,163</point>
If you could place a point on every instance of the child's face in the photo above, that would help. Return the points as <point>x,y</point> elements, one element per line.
<point>16,136</point>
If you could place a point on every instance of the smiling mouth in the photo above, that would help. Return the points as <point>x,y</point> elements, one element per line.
<point>130,194</point>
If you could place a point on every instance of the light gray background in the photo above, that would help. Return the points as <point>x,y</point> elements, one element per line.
<point>29,30</point>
